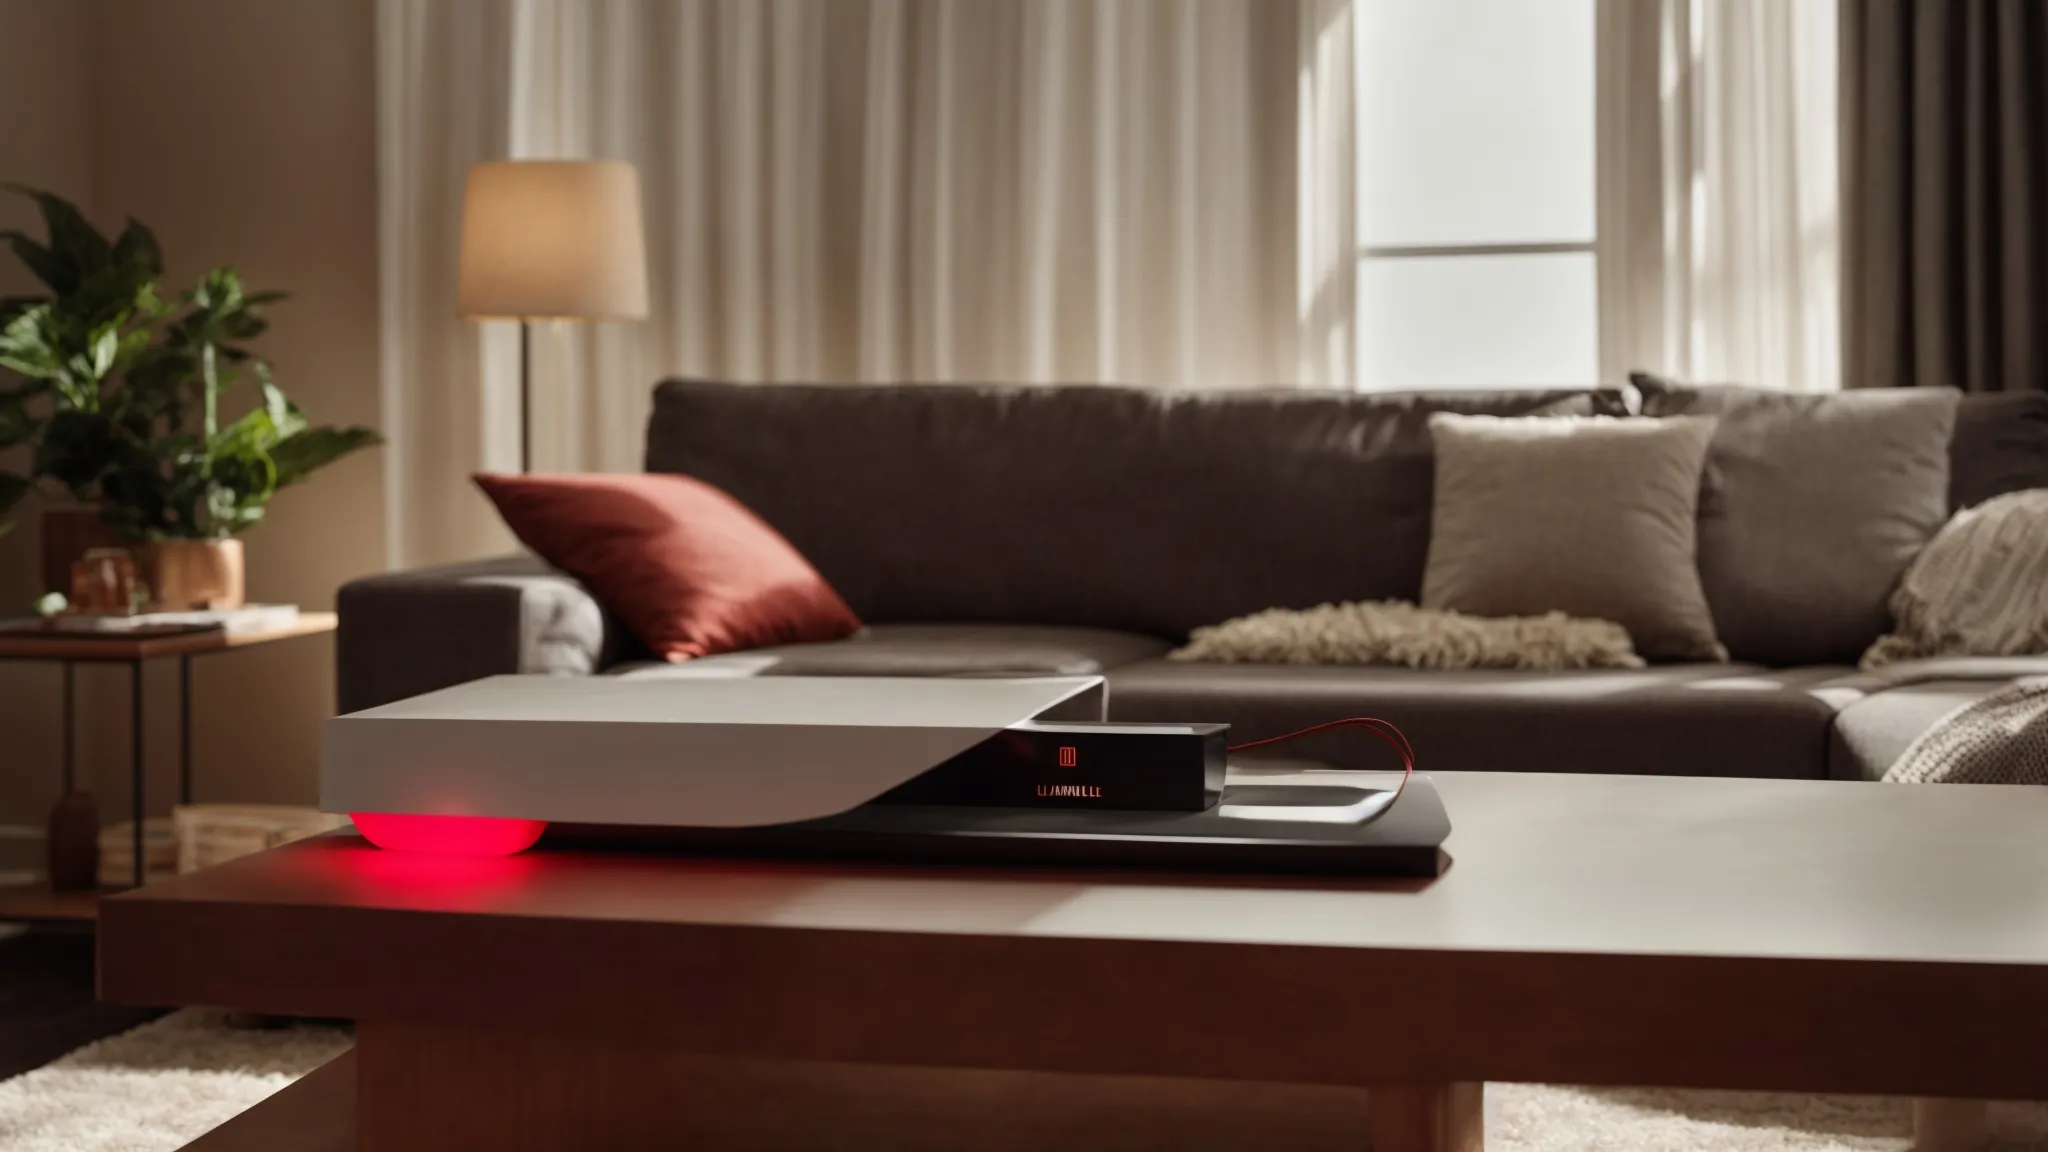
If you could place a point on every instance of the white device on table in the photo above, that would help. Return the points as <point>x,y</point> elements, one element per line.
<point>901,768</point>
<point>698,752</point>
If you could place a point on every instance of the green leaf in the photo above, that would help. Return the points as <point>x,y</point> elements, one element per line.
<point>220,291</point>
<point>240,476</point>
<point>34,369</point>
<point>76,449</point>
<point>254,432</point>
<point>43,263</point>
<point>137,247</point>
<point>299,456</point>
<point>284,415</point>
<point>112,294</point>
<point>132,345</point>
<point>148,303</point>
<point>29,344</point>
<point>76,249</point>
<point>243,325</point>
<point>106,347</point>
<point>12,306</point>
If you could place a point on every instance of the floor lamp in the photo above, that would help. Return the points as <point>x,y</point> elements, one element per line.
<point>550,240</point>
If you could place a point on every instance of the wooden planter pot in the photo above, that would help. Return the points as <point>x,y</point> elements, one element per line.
<point>186,575</point>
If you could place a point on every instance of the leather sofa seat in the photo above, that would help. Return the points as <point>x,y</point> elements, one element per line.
<point>1673,719</point>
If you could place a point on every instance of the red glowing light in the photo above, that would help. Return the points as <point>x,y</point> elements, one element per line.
<point>1069,756</point>
<point>449,835</point>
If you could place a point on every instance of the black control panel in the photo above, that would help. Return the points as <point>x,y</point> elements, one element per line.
<point>1081,765</point>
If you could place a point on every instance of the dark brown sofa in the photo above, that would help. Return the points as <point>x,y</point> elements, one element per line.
<point>986,530</point>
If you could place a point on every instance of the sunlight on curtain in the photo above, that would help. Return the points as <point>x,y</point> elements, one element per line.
<point>921,190</point>
<point>892,190</point>
<point>443,86</point>
<point>1720,246</point>
<point>1326,235</point>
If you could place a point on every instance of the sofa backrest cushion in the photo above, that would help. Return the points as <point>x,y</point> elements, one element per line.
<point>2000,446</point>
<point>1138,509</point>
<point>1811,507</point>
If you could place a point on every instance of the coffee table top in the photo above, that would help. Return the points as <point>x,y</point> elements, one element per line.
<point>1614,864</point>
<point>1798,935</point>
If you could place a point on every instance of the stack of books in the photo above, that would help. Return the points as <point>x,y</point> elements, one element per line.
<point>234,621</point>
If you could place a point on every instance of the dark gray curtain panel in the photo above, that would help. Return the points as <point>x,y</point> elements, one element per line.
<point>1945,193</point>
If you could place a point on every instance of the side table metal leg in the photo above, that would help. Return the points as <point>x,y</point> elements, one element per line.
<point>185,729</point>
<point>135,760</point>
<point>70,729</point>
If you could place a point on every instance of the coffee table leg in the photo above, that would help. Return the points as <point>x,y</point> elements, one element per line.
<point>1428,1117</point>
<point>1941,1125</point>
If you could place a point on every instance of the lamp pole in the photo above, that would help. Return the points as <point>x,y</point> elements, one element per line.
<point>525,395</point>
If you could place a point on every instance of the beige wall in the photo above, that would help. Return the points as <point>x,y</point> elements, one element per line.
<point>243,132</point>
<point>45,141</point>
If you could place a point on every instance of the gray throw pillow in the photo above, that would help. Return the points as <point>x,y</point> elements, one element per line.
<point>1812,508</point>
<point>1591,516</point>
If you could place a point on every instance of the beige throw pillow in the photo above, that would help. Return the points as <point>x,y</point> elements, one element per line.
<point>1589,516</point>
<point>1979,588</point>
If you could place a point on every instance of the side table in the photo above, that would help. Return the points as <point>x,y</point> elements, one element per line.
<point>73,649</point>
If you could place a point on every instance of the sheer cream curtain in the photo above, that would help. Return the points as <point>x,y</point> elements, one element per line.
<point>443,85</point>
<point>891,190</point>
<point>1719,200</point>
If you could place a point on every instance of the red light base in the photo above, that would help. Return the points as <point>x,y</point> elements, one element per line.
<point>449,835</point>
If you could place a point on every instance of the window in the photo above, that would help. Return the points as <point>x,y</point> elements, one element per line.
<point>1475,193</point>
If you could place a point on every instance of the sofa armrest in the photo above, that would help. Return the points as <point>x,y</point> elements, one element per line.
<point>404,633</point>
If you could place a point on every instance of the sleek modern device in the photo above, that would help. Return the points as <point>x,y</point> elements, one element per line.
<point>1013,769</point>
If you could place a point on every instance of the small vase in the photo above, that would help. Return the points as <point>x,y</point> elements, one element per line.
<point>67,535</point>
<point>188,575</point>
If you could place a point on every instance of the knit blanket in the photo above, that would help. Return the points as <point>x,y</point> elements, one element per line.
<point>1397,633</point>
<point>2000,739</point>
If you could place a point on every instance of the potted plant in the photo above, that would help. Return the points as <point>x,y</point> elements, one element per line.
<point>68,347</point>
<point>122,397</point>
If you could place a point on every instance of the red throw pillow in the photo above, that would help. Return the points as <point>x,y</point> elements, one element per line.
<point>692,571</point>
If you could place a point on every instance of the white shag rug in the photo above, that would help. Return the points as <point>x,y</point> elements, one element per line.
<point>1541,1118</point>
<point>157,1087</point>
<point>162,1085</point>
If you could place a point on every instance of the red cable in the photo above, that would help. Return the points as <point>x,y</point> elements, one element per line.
<point>1383,729</point>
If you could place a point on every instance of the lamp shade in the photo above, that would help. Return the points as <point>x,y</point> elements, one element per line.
<point>553,239</point>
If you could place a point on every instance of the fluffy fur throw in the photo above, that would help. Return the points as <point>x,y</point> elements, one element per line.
<point>1396,633</point>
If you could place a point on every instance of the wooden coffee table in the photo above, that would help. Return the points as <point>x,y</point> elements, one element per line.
<point>1801,936</point>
